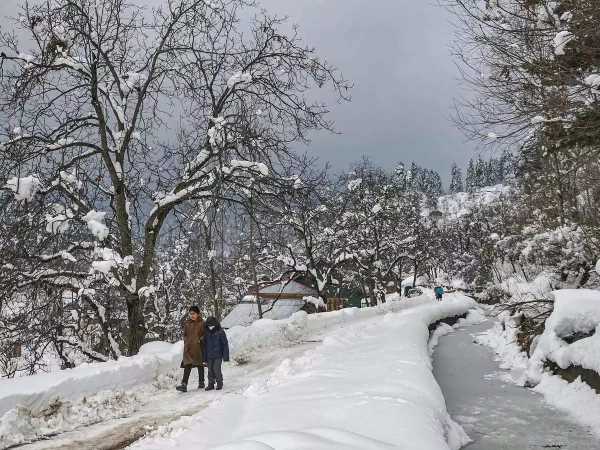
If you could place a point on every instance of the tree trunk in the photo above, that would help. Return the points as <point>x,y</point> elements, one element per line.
<point>137,328</point>
<point>416,266</point>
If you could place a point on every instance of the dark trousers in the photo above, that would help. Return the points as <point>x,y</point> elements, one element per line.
<point>214,371</point>
<point>188,370</point>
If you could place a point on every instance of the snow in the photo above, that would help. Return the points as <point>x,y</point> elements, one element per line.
<point>494,411</point>
<point>462,203</point>
<point>522,290</point>
<point>593,81</point>
<point>147,291</point>
<point>289,287</point>
<point>561,39</point>
<point>134,79</point>
<point>95,223</point>
<point>348,375</point>
<point>566,397</point>
<point>253,166</point>
<point>575,311</point>
<point>216,133</point>
<point>109,260</point>
<point>24,188</point>
<point>245,313</point>
<point>238,78</point>
<point>36,392</point>
<point>317,301</point>
<point>86,397</point>
<point>26,57</point>
<point>502,338</point>
<point>353,184</point>
<point>57,224</point>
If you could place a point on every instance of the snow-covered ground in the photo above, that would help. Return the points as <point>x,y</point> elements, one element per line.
<point>367,385</point>
<point>575,311</point>
<point>138,391</point>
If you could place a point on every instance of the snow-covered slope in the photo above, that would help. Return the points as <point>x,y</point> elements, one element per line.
<point>454,206</point>
<point>368,385</point>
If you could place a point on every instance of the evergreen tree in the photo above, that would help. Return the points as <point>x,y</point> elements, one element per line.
<point>470,179</point>
<point>456,181</point>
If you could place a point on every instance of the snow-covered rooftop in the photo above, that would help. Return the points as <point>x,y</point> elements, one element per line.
<point>247,312</point>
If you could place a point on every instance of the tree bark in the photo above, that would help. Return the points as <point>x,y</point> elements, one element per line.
<point>137,328</point>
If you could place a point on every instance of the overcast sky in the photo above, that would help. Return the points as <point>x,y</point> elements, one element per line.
<point>397,54</point>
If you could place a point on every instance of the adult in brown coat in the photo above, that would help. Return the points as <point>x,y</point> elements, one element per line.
<point>193,336</point>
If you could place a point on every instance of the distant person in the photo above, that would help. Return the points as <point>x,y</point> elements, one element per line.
<point>193,334</point>
<point>216,350</point>
<point>439,292</point>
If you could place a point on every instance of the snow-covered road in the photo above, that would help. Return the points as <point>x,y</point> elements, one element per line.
<point>496,413</point>
<point>165,406</point>
<point>368,385</point>
<point>353,364</point>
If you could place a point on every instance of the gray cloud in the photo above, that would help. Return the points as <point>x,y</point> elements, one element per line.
<point>397,53</point>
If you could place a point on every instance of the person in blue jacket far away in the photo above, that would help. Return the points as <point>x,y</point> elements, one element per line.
<point>439,292</point>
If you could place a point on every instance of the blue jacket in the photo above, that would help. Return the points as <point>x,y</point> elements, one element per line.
<point>439,290</point>
<point>215,343</point>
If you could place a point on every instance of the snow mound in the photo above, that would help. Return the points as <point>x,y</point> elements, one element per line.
<point>576,311</point>
<point>38,391</point>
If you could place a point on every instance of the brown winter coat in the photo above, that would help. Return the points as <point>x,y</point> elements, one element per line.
<point>193,335</point>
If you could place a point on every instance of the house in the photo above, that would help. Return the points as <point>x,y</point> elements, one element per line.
<point>278,301</point>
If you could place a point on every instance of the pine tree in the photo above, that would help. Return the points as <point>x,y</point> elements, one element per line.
<point>470,179</point>
<point>456,181</point>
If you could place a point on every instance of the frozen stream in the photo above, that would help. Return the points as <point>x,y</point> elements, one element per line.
<point>495,413</point>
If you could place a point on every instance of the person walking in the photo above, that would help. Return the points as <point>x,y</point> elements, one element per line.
<point>216,350</point>
<point>193,335</point>
<point>439,292</point>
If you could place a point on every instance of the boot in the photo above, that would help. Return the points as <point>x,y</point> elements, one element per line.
<point>219,386</point>
<point>210,387</point>
<point>182,387</point>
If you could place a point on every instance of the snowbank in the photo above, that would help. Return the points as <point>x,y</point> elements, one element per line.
<point>575,311</point>
<point>368,385</point>
<point>38,391</point>
<point>244,340</point>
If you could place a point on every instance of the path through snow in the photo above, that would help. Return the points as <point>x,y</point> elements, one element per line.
<point>165,407</point>
<point>496,413</point>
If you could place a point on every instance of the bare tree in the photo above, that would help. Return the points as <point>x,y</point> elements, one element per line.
<point>122,116</point>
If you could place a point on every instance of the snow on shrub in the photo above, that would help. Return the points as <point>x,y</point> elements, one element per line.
<point>24,188</point>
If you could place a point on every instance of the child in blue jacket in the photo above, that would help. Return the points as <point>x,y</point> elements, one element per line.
<point>216,350</point>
